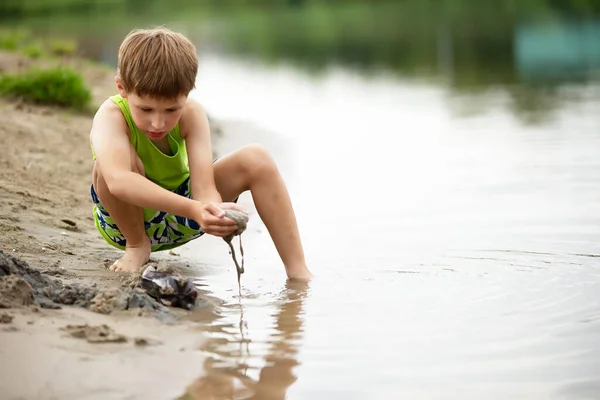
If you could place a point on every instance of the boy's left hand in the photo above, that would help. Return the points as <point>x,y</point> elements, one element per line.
<point>233,206</point>
<point>213,221</point>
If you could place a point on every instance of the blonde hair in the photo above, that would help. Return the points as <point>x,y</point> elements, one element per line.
<point>158,63</point>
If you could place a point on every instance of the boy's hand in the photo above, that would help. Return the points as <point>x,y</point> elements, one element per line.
<point>211,218</point>
<point>233,206</point>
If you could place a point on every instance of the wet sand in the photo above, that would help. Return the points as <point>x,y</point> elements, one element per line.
<point>71,328</point>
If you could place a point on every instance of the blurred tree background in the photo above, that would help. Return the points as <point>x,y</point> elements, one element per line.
<point>467,44</point>
<point>28,7</point>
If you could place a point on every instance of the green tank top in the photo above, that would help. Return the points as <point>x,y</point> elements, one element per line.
<point>164,170</point>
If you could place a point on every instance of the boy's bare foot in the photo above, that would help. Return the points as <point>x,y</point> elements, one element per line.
<point>299,273</point>
<point>133,259</point>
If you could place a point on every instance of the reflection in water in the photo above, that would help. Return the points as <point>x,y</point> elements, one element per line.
<point>228,367</point>
<point>564,49</point>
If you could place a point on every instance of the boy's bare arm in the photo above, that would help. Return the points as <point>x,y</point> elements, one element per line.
<point>113,156</point>
<point>195,129</point>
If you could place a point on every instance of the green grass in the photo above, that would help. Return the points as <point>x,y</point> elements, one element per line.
<point>22,41</point>
<point>63,47</point>
<point>33,50</point>
<point>13,39</point>
<point>58,86</point>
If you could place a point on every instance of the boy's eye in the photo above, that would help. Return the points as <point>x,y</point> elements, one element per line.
<point>146,109</point>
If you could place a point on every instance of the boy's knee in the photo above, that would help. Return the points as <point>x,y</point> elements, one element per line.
<point>257,160</point>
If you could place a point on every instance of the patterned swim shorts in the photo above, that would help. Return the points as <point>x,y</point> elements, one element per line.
<point>166,231</point>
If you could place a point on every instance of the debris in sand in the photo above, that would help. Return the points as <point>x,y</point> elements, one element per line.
<point>15,292</point>
<point>168,288</point>
<point>55,272</point>
<point>142,342</point>
<point>108,301</point>
<point>6,318</point>
<point>69,225</point>
<point>163,283</point>
<point>23,286</point>
<point>68,222</point>
<point>134,279</point>
<point>74,294</point>
<point>30,286</point>
<point>95,334</point>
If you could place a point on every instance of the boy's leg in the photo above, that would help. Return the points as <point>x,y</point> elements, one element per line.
<point>129,220</point>
<point>252,168</point>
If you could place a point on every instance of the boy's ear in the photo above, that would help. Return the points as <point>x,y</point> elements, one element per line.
<point>120,87</point>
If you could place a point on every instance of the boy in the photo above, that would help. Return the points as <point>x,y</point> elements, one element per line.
<point>154,183</point>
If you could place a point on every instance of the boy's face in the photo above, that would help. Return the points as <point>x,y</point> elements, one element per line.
<point>155,117</point>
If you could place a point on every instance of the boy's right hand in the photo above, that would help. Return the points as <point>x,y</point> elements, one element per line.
<point>212,219</point>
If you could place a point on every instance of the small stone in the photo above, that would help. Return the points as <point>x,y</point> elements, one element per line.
<point>6,318</point>
<point>142,342</point>
<point>68,222</point>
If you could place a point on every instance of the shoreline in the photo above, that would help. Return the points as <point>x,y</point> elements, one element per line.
<point>46,222</point>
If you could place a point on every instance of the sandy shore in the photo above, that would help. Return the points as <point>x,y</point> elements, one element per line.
<point>48,239</point>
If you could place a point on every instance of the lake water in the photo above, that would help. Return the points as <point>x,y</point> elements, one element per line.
<point>450,215</point>
<point>457,254</point>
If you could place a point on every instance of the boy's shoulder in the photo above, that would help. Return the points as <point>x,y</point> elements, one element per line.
<point>109,114</point>
<point>108,109</point>
<point>193,114</point>
<point>192,106</point>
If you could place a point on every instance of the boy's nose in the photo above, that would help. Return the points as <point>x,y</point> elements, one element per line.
<point>158,124</point>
